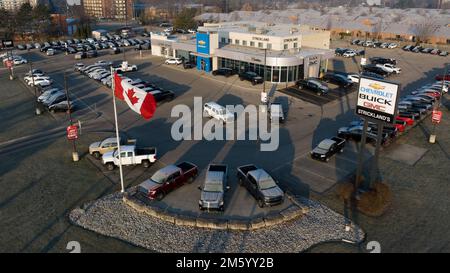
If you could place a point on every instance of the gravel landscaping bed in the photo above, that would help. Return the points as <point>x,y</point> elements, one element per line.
<point>110,216</point>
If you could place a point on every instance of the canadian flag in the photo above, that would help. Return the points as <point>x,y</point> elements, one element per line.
<point>137,99</point>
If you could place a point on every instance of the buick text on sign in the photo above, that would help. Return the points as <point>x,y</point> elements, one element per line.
<point>377,99</point>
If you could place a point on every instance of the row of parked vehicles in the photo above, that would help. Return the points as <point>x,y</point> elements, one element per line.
<point>411,109</point>
<point>426,50</point>
<point>16,59</point>
<point>101,72</point>
<point>348,52</point>
<point>256,180</point>
<point>52,98</point>
<point>371,43</point>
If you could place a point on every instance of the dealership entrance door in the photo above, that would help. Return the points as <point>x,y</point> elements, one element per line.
<point>204,64</point>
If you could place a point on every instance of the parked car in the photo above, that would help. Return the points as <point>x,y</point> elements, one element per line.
<point>409,121</point>
<point>352,132</point>
<point>109,144</point>
<point>130,155</point>
<point>390,68</point>
<point>380,60</point>
<point>313,84</point>
<point>426,50</point>
<point>50,52</point>
<point>349,54</point>
<point>227,72</point>
<point>217,111</point>
<point>92,54</point>
<point>375,69</point>
<point>392,45</point>
<point>327,148</point>
<point>175,61</point>
<point>115,50</point>
<point>407,47</point>
<point>354,77</point>
<point>214,188</point>
<point>188,65</point>
<point>372,75</point>
<point>443,53</point>
<point>58,97</point>
<point>78,66</point>
<point>251,77</point>
<point>162,95</point>
<point>338,79</point>
<point>80,55</point>
<point>442,77</point>
<point>19,61</point>
<point>276,112</point>
<point>168,179</point>
<point>125,67</point>
<point>62,106</point>
<point>48,93</point>
<point>260,185</point>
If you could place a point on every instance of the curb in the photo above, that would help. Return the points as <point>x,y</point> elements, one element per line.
<point>291,213</point>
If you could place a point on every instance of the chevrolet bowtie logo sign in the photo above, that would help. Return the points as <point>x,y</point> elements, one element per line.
<point>376,86</point>
<point>201,42</point>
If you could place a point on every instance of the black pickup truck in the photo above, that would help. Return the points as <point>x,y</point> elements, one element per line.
<point>260,185</point>
<point>327,148</point>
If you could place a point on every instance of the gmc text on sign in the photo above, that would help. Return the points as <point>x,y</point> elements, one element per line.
<point>377,99</point>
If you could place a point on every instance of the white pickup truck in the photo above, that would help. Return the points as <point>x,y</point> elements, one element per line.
<point>125,67</point>
<point>130,155</point>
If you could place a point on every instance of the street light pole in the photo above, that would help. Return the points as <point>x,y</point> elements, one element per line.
<point>36,106</point>
<point>75,156</point>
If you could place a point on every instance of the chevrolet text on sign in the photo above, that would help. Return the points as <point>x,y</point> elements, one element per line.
<point>377,99</point>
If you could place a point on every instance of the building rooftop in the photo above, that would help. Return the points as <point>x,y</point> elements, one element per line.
<point>258,28</point>
<point>396,21</point>
<point>299,52</point>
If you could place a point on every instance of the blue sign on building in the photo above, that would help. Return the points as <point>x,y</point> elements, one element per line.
<point>203,63</point>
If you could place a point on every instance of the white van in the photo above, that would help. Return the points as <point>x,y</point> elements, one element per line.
<point>217,111</point>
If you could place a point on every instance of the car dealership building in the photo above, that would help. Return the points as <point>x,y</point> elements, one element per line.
<point>289,52</point>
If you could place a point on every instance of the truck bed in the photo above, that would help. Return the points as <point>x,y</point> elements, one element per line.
<point>338,140</point>
<point>217,168</point>
<point>145,151</point>
<point>246,168</point>
<point>186,166</point>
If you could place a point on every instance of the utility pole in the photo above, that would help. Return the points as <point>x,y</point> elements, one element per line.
<point>36,106</point>
<point>361,157</point>
<point>75,156</point>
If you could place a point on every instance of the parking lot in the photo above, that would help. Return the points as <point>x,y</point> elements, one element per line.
<point>310,119</point>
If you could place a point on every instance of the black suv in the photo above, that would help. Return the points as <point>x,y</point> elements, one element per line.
<point>380,60</point>
<point>227,72</point>
<point>313,84</point>
<point>338,79</point>
<point>188,65</point>
<point>251,77</point>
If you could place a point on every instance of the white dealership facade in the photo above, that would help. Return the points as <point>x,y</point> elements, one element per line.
<point>289,52</point>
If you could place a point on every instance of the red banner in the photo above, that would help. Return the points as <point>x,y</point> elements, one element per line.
<point>72,132</point>
<point>436,116</point>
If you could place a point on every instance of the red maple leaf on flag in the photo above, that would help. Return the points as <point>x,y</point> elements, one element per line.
<point>131,97</point>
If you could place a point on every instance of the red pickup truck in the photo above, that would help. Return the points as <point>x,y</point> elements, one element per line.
<point>168,179</point>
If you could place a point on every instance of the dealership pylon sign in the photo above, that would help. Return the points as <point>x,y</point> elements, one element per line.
<point>377,99</point>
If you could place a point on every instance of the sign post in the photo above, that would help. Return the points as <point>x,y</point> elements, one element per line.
<point>9,44</point>
<point>74,128</point>
<point>377,102</point>
<point>437,115</point>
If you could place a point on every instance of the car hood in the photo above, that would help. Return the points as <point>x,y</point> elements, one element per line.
<point>343,129</point>
<point>319,151</point>
<point>210,196</point>
<point>272,192</point>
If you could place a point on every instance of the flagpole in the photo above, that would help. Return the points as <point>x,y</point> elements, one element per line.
<point>117,131</point>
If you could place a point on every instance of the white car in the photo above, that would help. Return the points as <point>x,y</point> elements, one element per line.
<point>41,82</point>
<point>27,79</point>
<point>353,77</point>
<point>390,68</point>
<point>349,54</point>
<point>217,111</point>
<point>392,45</point>
<point>47,94</point>
<point>20,61</point>
<point>176,61</point>
<point>103,62</point>
<point>101,75</point>
<point>37,79</point>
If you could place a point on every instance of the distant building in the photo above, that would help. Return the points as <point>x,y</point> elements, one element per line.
<point>109,9</point>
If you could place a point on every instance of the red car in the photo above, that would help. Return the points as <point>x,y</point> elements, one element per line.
<point>441,77</point>
<point>168,179</point>
<point>400,125</point>
<point>409,121</point>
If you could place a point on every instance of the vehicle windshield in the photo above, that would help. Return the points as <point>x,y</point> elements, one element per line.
<point>158,177</point>
<point>324,145</point>
<point>213,187</point>
<point>266,183</point>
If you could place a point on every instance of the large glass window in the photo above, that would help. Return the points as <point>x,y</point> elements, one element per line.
<point>268,73</point>
<point>295,45</point>
<point>260,45</point>
<point>236,42</point>
<point>276,74</point>
<point>244,43</point>
<point>283,74</point>
<point>252,43</point>
<point>269,46</point>
<point>291,77</point>
<point>285,46</point>
<point>223,40</point>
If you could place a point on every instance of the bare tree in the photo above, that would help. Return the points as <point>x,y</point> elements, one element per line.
<point>329,23</point>
<point>424,30</point>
